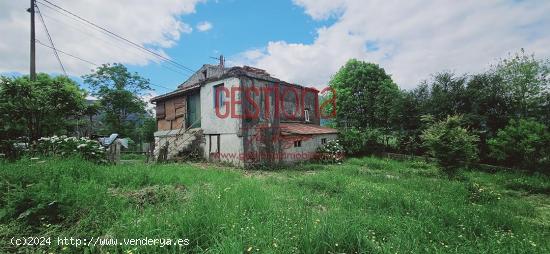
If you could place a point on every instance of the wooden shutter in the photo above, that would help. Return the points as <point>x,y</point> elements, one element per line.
<point>160,110</point>
<point>170,110</point>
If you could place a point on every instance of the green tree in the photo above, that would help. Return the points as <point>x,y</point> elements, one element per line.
<point>450,144</point>
<point>148,129</point>
<point>40,108</point>
<point>523,143</point>
<point>527,81</point>
<point>366,96</point>
<point>119,94</point>
<point>447,95</point>
<point>90,111</point>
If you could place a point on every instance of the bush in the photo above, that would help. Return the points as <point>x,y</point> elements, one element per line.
<point>362,141</point>
<point>331,152</point>
<point>450,144</point>
<point>524,143</point>
<point>11,150</point>
<point>409,143</point>
<point>67,146</point>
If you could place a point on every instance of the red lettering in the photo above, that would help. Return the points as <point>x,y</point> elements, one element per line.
<point>291,116</point>
<point>235,102</point>
<point>218,91</point>
<point>267,93</point>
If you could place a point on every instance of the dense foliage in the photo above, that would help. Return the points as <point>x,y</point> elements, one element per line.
<point>367,96</point>
<point>363,141</point>
<point>44,107</point>
<point>524,143</point>
<point>516,88</point>
<point>331,152</point>
<point>64,146</point>
<point>119,92</point>
<point>450,144</point>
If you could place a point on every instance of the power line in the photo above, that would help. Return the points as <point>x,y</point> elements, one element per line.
<point>120,37</point>
<point>110,43</point>
<point>92,63</point>
<point>68,54</point>
<point>50,39</point>
<point>87,61</point>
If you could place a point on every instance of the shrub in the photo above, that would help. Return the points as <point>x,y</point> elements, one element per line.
<point>450,144</point>
<point>12,150</point>
<point>362,141</point>
<point>409,143</point>
<point>68,146</point>
<point>524,143</point>
<point>331,152</point>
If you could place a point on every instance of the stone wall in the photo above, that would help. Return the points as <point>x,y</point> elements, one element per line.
<point>176,142</point>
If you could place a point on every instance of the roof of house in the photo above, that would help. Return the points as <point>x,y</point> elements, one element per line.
<point>176,93</point>
<point>217,73</point>
<point>305,129</point>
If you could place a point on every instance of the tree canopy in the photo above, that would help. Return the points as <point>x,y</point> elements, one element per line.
<point>39,108</point>
<point>517,88</point>
<point>119,93</point>
<point>367,96</point>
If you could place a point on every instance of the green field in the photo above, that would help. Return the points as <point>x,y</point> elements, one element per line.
<point>366,205</point>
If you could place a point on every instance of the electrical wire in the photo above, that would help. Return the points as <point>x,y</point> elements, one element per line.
<point>92,63</point>
<point>118,36</point>
<point>67,54</point>
<point>117,44</point>
<point>50,39</point>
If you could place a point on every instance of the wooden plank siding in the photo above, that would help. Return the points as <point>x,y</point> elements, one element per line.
<point>171,113</point>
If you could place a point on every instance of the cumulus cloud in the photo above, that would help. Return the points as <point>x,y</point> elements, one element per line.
<point>204,26</point>
<point>410,39</point>
<point>155,25</point>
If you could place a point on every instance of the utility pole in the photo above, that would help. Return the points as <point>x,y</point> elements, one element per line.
<point>33,46</point>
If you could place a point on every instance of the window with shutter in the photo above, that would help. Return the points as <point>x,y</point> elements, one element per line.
<point>160,111</point>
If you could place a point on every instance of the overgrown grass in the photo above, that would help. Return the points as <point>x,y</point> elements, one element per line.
<point>366,205</point>
<point>133,156</point>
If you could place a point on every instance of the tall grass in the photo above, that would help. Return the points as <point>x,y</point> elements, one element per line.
<point>366,205</point>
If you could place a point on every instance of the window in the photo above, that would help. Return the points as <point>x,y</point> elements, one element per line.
<point>218,89</point>
<point>306,115</point>
<point>297,143</point>
<point>323,141</point>
<point>205,74</point>
<point>193,111</point>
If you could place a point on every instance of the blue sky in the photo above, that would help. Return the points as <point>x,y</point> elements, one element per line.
<point>300,41</point>
<point>238,25</point>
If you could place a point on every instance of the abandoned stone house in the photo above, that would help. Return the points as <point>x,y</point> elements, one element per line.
<point>240,115</point>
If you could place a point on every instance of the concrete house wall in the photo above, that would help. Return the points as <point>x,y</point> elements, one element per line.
<point>307,151</point>
<point>262,139</point>
<point>227,129</point>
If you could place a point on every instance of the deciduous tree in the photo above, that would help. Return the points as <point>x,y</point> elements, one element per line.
<point>119,94</point>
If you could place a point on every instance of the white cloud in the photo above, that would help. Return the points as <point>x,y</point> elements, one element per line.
<point>410,39</point>
<point>150,107</point>
<point>204,26</point>
<point>154,25</point>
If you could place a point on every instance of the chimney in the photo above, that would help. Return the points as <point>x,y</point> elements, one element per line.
<point>222,62</point>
